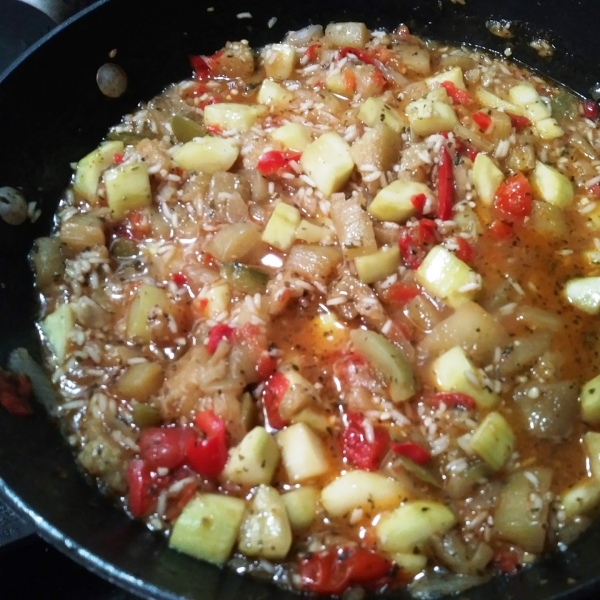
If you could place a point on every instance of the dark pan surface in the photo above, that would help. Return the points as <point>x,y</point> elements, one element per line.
<point>51,114</point>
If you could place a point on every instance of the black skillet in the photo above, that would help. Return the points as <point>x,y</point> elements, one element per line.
<point>51,114</point>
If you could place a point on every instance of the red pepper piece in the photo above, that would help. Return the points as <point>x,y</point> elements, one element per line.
<point>415,242</point>
<point>312,52</point>
<point>500,229</point>
<point>214,129</point>
<point>507,561</point>
<point>455,400</point>
<point>590,109</point>
<point>218,333</point>
<point>14,393</point>
<point>270,162</point>
<point>204,104</point>
<point>164,447</point>
<point>418,201</point>
<point>413,451</point>
<point>362,55</point>
<point>265,366</point>
<point>208,456</point>
<point>333,571</point>
<point>275,389</point>
<point>140,226</point>
<point>357,449</point>
<point>445,187</point>
<point>401,292</point>
<point>482,120</point>
<point>118,158</point>
<point>178,504</point>
<point>513,199</point>
<point>200,67</point>
<point>179,279</point>
<point>139,479</point>
<point>465,251</point>
<point>518,121</point>
<point>459,96</point>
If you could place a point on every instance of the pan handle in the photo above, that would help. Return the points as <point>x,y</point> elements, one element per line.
<point>58,10</point>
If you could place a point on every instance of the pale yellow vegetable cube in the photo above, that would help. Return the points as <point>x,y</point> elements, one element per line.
<point>584,293</point>
<point>526,96</point>
<point>140,381</point>
<point>450,374</point>
<point>591,441</point>
<point>208,527</point>
<point>312,461</point>
<point>589,399</point>
<point>57,327</point>
<point>207,155</point>
<point>394,201</point>
<point>403,529</point>
<point>354,35</point>
<point>378,266</point>
<point>90,168</point>
<point>492,101</point>
<point>379,147</point>
<point>427,117</point>
<point>279,61</point>
<point>444,275</point>
<point>581,499</point>
<point>493,441</point>
<point>127,188</point>
<point>548,129</point>
<point>231,116</point>
<point>453,75</point>
<point>149,303</point>
<point>410,563</point>
<point>337,83</point>
<point>301,506</point>
<point>294,136</point>
<point>486,178</point>
<point>281,227</point>
<point>219,298</point>
<point>274,95</point>
<point>374,111</point>
<point>328,163</point>
<point>311,233</point>
<point>551,185</point>
<point>371,492</point>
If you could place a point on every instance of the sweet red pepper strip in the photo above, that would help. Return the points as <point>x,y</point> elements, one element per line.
<point>275,389</point>
<point>418,201</point>
<point>270,162</point>
<point>413,451</point>
<point>311,52</point>
<point>208,456</point>
<point>360,451</point>
<point>200,67</point>
<point>445,188</point>
<point>459,96</point>
<point>362,55</point>
<point>465,251</point>
<point>401,292</point>
<point>518,121</point>
<point>218,333</point>
<point>482,121</point>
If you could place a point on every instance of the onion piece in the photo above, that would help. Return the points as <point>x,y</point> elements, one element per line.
<point>391,75</point>
<point>313,260</point>
<point>304,35</point>
<point>473,137</point>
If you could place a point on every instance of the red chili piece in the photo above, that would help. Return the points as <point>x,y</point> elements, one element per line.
<point>501,229</point>
<point>118,158</point>
<point>275,389</point>
<point>270,162</point>
<point>590,109</point>
<point>165,447</point>
<point>333,571</point>
<point>401,292</point>
<point>518,121</point>
<point>465,251</point>
<point>514,199</point>
<point>218,333</point>
<point>507,561</point>
<point>200,67</point>
<point>139,480</point>
<point>459,96</point>
<point>362,55</point>
<point>208,456</point>
<point>413,451</point>
<point>445,188</point>
<point>357,449</point>
<point>418,201</point>
<point>482,120</point>
<point>455,400</point>
<point>14,393</point>
<point>415,242</point>
<point>265,366</point>
<point>311,52</point>
<point>179,279</point>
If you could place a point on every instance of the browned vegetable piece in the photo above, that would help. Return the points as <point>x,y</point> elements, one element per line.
<point>140,381</point>
<point>48,261</point>
<point>82,231</point>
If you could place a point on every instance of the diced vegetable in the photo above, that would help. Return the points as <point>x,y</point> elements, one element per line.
<point>582,498</point>
<point>444,275</point>
<point>454,372</point>
<point>415,58</point>
<point>486,178</point>
<point>584,293</point>
<point>590,401</point>
<point>328,163</point>
<point>244,278</point>
<point>354,35</point>
<point>48,261</point>
<point>279,61</point>
<point>254,460</point>
<point>527,97</point>
<point>548,219</point>
<point>57,328</point>
<point>591,441</point>
<point>374,111</point>
<point>365,453</point>
<point>371,492</point>
<point>548,129</point>
<point>146,415</point>
<point>522,513</point>
<point>389,359</point>
<point>427,117</point>
<point>454,75</point>
<point>314,260</point>
<point>266,531</point>
<point>207,155</point>
<point>301,506</point>
<point>274,95</point>
<point>233,241</point>
<point>410,563</point>
<point>403,529</point>
<point>378,266</point>
<point>492,101</point>
<point>185,129</point>
<point>280,231</point>
<point>395,201</point>
<point>150,303</point>
<point>353,226</point>
<point>311,462</point>
<point>294,136</point>
<point>90,168</point>
<point>208,527</point>
<point>218,298</point>
<point>82,231</point>
<point>379,147</point>
<point>311,233</point>
<point>494,440</point>
<point>230,116</point>
<point>127,188</point>
<point>342,83</point>
<point>140,381</point>
<point>551,185</point>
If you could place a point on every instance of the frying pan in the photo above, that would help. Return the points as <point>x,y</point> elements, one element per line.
<point>51,114</point>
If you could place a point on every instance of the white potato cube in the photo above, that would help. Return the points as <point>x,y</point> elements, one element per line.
<point>207,155</point>
<point>375,110</point>
<point>394,201</point>
<point>230,116</point>
<point>427,117</point>
<point>274,95</point>
<point>279,61</point>
<point>453,75</point>
<point>551,185</point>
<point>303,453</point>
<point>293,136</point>
<point>486,178</point>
